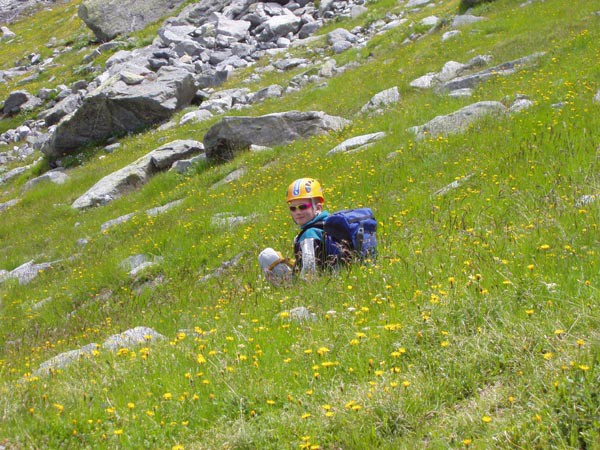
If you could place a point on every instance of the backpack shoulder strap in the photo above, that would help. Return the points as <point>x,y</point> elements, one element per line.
<point>319,224</point>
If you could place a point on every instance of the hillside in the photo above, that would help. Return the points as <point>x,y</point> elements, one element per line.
<point>135,315</point>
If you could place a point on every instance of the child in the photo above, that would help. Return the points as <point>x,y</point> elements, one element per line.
<point>305,200</point>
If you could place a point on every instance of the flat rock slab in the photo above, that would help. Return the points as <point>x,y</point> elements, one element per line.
<point>458,121</point>
<point>137,173</point>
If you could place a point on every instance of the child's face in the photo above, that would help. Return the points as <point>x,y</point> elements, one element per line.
<point>302,211</point>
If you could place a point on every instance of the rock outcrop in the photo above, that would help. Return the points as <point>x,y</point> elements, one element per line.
<point>110,18</point>
<point>121,105</point>
<point>228,137</point>
<point>137,173</point>
<point>458,121</point>
<point>19,101</point>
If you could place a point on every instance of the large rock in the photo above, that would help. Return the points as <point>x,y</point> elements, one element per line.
<point>53,176</point>
<point>132,337</point>
<point>278,26</point>
<point>357,143</point>
<point>18,101</point>
<point>458,121</point>
<point>118,107</point>
<point>236,30</point>
<point>109,18</point>
<point>381,100</point>
<point>137,173</point>
<point>234,134</point>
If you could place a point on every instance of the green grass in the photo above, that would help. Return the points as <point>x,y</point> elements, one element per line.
<point>476,327</point>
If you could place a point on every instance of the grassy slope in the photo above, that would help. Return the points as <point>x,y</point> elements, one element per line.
<point>477,326</point>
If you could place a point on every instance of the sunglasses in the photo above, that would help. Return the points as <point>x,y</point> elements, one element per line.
<point>301,207</point>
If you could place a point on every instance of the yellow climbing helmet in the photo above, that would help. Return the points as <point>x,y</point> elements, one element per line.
<point>305,188</point>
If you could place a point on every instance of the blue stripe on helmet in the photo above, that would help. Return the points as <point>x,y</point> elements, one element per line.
<point>296,189</point>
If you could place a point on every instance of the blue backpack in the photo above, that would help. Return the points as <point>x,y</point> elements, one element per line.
<point>349,235</point>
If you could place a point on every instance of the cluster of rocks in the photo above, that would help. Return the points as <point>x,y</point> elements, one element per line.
<point>223,141</point>
<point>11,10</point>
<point>458,79</point>
<point>193,53</point>
<point>197,49</point>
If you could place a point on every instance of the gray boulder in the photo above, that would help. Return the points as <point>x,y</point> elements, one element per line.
<point>381,100</point>
<point>301,314</point>
<point>229,220</point>
<point>183,165</point>
<point>278,26</point>
<point>271,91</point>
<point>18,101</point>
<point>232,30</point>
<point>586,200</point>
<point>357,143</point>
<point>53,176</point>
<point>175,34</point>
<point>131,338</point>
<point>234,134</point>
<point>458,121</point>
<point>451,71</point>
<point>340,34</point>
<point>200,115</point>
<point>452,186</point>
<point>230,177</point>
<point>6,34</point>
<point>109,18</point>
<point>153,212</point>
<point>521,103</point>
<point>450,34</point>
<point>289,63</point>
<point>341,40</point>
<point>424,82</point>
<point>137,174</point>
<point>117,108</point>
<point>13,173</point>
